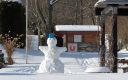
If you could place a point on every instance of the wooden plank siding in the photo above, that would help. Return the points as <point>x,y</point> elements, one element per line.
<point>88,37</point>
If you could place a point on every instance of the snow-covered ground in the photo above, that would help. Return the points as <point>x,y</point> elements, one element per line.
<point>75,65</point>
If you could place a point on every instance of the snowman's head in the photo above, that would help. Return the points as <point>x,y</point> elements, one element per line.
<point>51,41</point>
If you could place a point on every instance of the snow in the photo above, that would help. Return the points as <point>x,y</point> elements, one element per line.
<point>97,70</point>
<point>77,28</point>
<point>51,62</point>
<point>19,1</point>
<point>32,42</point>
<point>123,51</point>
<point>75,65</point>
<point>105,2</point>
<point>1,47</point>
<point>123,54</point>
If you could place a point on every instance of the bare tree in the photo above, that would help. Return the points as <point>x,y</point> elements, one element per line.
<point>41,12</point>
<point>52,12</point>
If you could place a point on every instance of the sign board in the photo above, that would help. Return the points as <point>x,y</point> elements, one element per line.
<point>72,47</point>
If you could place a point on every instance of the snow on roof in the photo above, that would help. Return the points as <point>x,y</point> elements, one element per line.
<point>123,51</point>
<point>19,1</point>
<point>77,28</point>
<point>105,2</point>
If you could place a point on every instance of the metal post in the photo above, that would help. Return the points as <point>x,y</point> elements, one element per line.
<point>26,50</point>
<point>50,9</point>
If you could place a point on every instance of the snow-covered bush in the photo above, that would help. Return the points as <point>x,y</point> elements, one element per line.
<point>10,43</point>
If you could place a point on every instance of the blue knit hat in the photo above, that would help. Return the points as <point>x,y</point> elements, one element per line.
<point>51,35</point>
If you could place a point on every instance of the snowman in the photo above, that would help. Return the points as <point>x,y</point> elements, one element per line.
<point>51,62</point>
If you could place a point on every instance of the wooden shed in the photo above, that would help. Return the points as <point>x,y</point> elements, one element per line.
<point>79,38</point>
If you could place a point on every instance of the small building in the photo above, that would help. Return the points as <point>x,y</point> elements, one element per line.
<point>79,38</point>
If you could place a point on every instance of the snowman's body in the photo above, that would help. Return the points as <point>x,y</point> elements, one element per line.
<point>51,62</point>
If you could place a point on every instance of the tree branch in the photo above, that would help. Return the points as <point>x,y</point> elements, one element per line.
<point>41,16</point>
<point>53,2</point>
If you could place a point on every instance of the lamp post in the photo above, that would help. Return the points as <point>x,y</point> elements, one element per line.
<point>50,10</point>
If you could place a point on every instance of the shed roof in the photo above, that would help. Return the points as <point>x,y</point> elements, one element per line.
<point>77,28</point>
<point>101,3</point>
<point>20,1</point>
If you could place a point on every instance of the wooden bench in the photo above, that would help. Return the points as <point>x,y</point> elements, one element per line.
<point>125,69</point>
<point>123,61</point>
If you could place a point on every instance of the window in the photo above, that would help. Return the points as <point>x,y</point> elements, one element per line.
<point>77,38</point>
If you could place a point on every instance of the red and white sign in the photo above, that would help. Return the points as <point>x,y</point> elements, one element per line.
<point>72,47</point>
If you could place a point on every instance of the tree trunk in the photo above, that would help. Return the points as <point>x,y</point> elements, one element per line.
<point>76,12</point>
<point>10,60</point>
<point>81,12</point>
<point>102,42</point>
